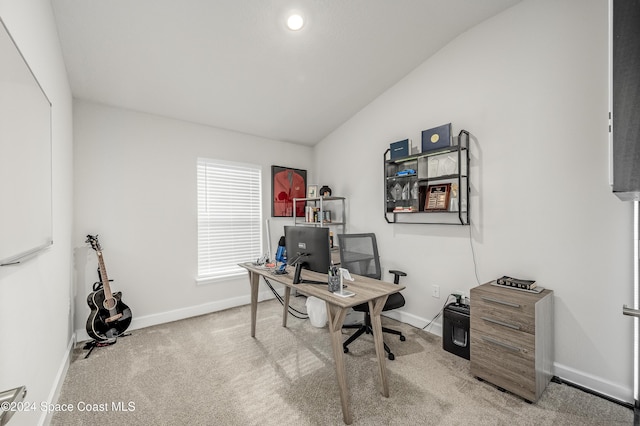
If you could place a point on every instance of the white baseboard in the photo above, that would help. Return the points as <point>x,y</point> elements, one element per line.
<point>416,321</point>
<point>188,312</point>
<point>45,417</point>
<point>594,383</point>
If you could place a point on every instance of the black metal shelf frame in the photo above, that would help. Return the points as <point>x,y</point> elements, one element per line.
<point>423,217</point>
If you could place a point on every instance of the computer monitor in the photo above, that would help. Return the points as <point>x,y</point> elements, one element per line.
<point>308,248</point>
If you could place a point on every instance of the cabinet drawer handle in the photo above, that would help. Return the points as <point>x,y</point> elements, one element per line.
<point>504,324</point>
<point>498,343</point>
<point>502,302</point>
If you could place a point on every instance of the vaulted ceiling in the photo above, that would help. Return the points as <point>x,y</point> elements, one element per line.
<point>233,64</point>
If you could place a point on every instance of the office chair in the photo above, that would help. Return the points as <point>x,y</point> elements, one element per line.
<point>359,254</point>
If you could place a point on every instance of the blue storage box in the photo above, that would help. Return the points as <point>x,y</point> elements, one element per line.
<point>399,149</point>
<point>437,137</point>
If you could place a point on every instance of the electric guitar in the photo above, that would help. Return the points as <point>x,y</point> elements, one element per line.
<point>109,316</point>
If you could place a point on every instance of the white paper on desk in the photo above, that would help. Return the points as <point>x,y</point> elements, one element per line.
<point>345,274</point>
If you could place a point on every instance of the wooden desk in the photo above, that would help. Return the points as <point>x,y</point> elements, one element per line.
<point>367,290</point>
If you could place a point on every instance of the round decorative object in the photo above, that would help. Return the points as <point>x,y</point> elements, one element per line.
<point>325,191</point>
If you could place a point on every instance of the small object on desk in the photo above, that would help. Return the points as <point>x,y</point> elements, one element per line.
<point>334,283</point>
<point>281,256</point>
<point>333,279</point>
<point>344,274</point>
<point>344,293</point>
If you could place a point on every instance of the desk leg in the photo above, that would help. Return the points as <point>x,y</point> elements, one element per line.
<point>285,312</point>
<point>336,318</point>
<point>375,308</point>
<point>254,280</point>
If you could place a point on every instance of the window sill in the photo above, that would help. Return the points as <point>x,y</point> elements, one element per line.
<point>220,278</point>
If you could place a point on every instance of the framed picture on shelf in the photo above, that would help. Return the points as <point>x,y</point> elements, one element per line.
<point>312,191</point>
<point>437,197</point>
<point>286,184</point>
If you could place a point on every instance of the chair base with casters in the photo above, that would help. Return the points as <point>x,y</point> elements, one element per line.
<point>394,301</point>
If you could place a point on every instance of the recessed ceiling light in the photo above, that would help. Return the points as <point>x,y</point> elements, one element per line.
<point>295,22</point>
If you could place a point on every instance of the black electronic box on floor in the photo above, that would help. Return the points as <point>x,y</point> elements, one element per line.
<point>455,329</point>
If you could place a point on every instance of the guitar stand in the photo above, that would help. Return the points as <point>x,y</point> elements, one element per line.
<point>91,345</point>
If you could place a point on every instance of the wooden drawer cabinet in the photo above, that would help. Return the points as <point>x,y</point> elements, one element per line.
<point>512,338</point>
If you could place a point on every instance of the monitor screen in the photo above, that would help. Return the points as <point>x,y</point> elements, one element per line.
<point>308,248</point>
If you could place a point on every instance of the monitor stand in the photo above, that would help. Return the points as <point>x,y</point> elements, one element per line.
<point>298,280</point>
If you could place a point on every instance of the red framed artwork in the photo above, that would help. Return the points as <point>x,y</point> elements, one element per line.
<point>286,184</point>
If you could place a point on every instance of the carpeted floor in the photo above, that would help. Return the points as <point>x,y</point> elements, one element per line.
<point>209,371</point>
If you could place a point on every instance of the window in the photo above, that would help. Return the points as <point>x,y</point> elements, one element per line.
<point>229,218</point>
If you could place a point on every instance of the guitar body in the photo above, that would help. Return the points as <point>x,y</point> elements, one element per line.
<point>99,325</point>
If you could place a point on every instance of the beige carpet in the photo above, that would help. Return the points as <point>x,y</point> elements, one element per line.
<point>209,371</point>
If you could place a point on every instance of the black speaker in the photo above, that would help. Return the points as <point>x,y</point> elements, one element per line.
<point>626,99</point>
<point>455,330</point>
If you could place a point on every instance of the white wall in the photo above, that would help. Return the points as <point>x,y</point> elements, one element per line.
<point>135,180</point>
<point>531,86</point>
<point>35,297</point>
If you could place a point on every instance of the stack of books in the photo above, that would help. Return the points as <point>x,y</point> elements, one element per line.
<point>399,209</point>
<point>311,214</point>
<point>517,283</point>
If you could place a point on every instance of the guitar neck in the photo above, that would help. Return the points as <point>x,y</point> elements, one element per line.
<point>103,276</point>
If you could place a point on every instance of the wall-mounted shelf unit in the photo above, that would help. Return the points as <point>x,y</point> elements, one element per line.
<point>430,187</point>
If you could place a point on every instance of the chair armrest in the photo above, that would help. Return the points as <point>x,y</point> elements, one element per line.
<point>397,274</point>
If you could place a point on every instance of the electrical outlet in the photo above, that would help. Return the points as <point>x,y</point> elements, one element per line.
<point>435,291</point>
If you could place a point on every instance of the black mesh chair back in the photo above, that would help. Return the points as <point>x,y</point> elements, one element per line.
<point>359,254</point>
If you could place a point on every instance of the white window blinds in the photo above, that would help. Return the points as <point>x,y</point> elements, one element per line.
<point>229,217</point>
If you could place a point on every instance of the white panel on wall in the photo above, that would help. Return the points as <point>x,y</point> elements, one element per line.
<point>25,157</point>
